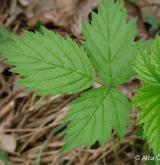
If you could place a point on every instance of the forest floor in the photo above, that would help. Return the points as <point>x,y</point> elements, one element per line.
<point>32,128</point>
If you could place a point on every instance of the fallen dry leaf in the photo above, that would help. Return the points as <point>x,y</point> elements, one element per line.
<point>1,163</point>
<point>133,11</point>
<point>7,143</point>
<point>150,7</point>
<point>65,13</point>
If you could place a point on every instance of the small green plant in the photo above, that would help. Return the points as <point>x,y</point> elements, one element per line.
<point>51,64</point>
<point>4,159</point>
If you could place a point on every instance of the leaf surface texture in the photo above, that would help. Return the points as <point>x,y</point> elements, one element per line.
<point>49,63</point>
<point>109,42</point>
<point>93,116</point>
<point>148,97</point>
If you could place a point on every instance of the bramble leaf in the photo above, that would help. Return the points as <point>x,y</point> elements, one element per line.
<point>148,97</point>
<point>49,63</point>
<point>109,42</point>
<point>93,116</point>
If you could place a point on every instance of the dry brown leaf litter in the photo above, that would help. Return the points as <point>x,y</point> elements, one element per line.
<point>150,8</point>
<point>67,14</point>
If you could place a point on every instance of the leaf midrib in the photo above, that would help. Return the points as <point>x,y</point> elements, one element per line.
<point>58,66</point>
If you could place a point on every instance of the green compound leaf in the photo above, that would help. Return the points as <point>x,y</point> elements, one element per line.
<point>109,42</point>
<point>49,63</point>
<point>93,116</point>
<point>148,97</point>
